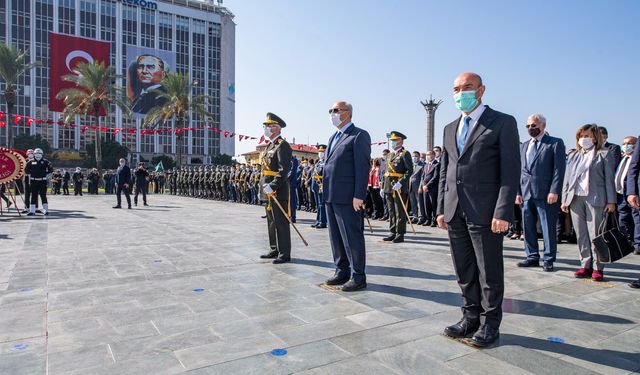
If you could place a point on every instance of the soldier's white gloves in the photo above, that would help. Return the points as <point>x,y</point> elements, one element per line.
<point>268,189</point>
<point>381,193</point>
<point>397,186</point>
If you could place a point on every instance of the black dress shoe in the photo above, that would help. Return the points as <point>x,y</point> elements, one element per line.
<point>485,336</point>
<point>529,263</point>
<point>547,267</point>
<point>321,226</point>
<point>434,224</point>
<point>314,225</point>
<point>637,251</point>
<point>270,255</point>
<point>399,238</point>
<point>145,203</point>
<point>635,284</point>
<point>389,238</point>
<point>464,328</point>
<point>337,280</point>
<point>281,260</point>
<point>263,216</point>
<point>129,207</point>
<point>31,213</point>
<point>117,206</point>
<point>352,286</point>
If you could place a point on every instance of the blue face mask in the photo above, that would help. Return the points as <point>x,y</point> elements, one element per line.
<point>466,100</point>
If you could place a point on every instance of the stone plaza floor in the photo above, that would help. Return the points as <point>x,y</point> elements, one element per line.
<point>178,287</point>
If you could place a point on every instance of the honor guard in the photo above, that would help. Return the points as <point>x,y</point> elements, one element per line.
<point>38,170</point>
<point>316,188</point>
<point>396,186</point>
<point>274,188</point>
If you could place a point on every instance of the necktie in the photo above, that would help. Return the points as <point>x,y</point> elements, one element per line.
<point>462,138</point>
<point>623,165</point>
<point>335,139</point>
<point>533,151</point>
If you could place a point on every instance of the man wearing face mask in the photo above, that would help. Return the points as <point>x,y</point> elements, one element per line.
<point>27,184</point>
<point>344,187</point>
<point>543,160</point>
<point>613,148</point>
<point>123,180</point>
<point>77,178</point>
<point>437,151</point>
<point>415,193</point>
<point>396,187</point>
<point>478,186</point>
<point>381,172</point>
<point>38,170</point>
<point>316,187</point>
<point>276,163</point>
<point>628,217</point>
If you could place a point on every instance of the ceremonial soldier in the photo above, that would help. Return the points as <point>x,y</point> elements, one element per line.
<point>38,170</point>
<point>396,186</point>
<point>276,163</point>
<point>77,178</point>
<point>316,188</point>
<point>56,180</point>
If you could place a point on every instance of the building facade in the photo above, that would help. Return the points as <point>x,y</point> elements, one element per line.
<point>198,33</point>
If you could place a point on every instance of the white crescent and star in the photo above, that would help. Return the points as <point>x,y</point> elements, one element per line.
<point>77,54</point>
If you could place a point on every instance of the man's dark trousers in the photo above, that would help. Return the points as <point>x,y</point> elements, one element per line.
<point>471,245</point>
<point>532,210</point>
<point>119,191</point>
<point>629,219</point>
<point>345,223</point>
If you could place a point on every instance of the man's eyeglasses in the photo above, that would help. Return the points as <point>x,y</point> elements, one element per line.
<point>336,110</point>
<point>531,126</point>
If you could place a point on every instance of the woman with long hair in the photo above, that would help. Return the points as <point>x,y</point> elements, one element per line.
<point>589,194</point>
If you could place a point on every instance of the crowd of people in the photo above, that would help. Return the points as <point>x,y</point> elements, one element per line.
<point>470,187</point>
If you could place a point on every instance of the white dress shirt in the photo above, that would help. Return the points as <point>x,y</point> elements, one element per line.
<point>475,116</point>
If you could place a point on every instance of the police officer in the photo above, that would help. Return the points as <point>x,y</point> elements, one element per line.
<point>27,183</point>
<point>77,181</point>
<point>38,170</point>
<point>396,186</point>
<point>316,188</point>
<point>276,163</point>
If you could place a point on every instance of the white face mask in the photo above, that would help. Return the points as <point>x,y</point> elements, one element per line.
<point>335,119</point>
<point>586,143</point>
<point>414,159</point>
<point>394,144</point>
<point>122,164</point>
<point>321,155</point>
<point>628,148</point>
<point>267,132</point>
<point>38,156</point>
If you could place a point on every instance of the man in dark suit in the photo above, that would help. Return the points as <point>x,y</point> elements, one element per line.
<point>429,186</point>
<point>478,186</point>
<point>543,159</point>
<point>344,185</point>
<point>381,172</point>
<point>123,176</point>
<point>628,217</point>
<point>632,192</point>
<point>613,148</point>
<point>274,185</point>
<point>417,209</point>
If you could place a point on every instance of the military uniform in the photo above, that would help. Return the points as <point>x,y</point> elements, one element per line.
<point>399,170</point>
<point>276,163</point>
<point>316,188</point>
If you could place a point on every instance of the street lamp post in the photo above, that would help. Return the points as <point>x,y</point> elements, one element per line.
<point>431,106</point>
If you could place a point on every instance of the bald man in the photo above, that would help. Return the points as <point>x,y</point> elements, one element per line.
<point>478,184</point>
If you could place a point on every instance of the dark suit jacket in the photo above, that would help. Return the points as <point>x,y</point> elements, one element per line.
<point>346,168</point>
<point>615,151</point>
<point>633,173</point>
<point>432,178</point>
<point>124,176</point>
<point>416,177</point>
<point>484,178</point>
<point>547,170</point>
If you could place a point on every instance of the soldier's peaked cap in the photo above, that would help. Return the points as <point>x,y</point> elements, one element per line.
<point>322,147</point>
<point>397,135</point>
<point>274,119</point>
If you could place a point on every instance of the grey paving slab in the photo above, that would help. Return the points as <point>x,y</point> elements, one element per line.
<point>76,299</point>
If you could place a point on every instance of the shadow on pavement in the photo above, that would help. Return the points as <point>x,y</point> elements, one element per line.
<point>382,270</point>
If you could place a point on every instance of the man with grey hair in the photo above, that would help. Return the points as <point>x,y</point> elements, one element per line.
<point>543,161</point>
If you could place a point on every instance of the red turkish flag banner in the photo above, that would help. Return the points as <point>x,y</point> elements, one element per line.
<point>65,53</point>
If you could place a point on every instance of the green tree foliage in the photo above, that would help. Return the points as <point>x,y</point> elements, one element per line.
<point>25,141</point>
<point>112,151</point>
<point>167,161</point>
<point>222,159</point>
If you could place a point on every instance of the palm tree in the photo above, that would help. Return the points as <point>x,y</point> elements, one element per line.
<point>12,65</point>
<point>177,103</point>
<point>95,90</point>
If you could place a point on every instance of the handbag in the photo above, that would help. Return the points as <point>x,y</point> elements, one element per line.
<point>610,243</point>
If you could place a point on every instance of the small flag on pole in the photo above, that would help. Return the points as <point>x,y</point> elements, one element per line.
<point>159,167</point>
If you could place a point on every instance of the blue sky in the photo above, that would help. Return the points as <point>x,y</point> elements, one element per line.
<point>574,61</point>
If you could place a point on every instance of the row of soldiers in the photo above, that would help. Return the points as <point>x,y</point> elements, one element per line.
<point>238,183</point>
